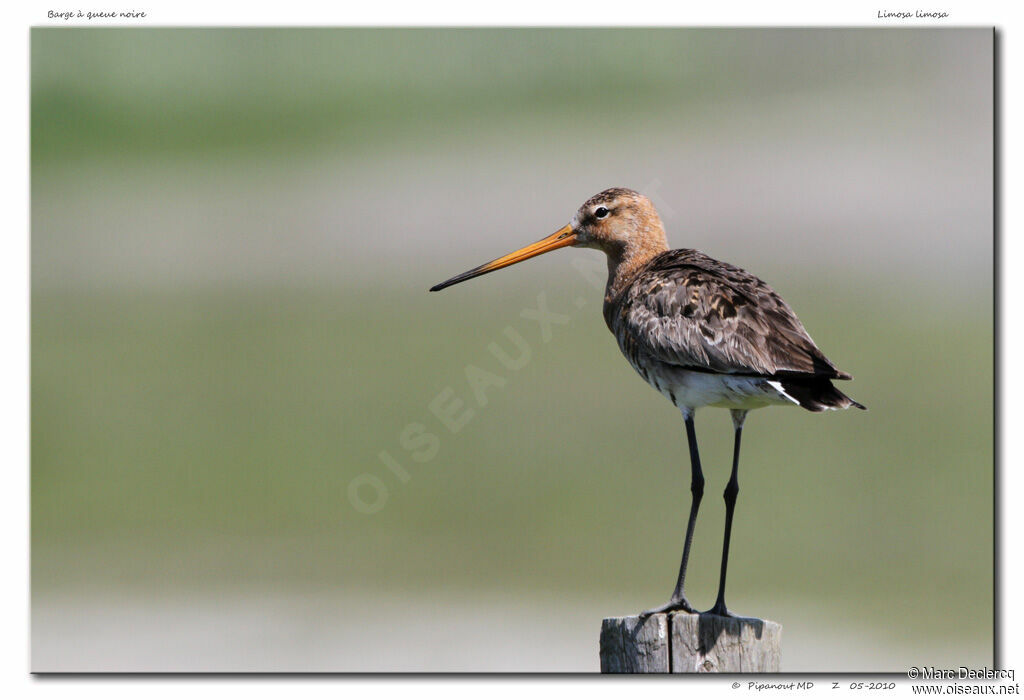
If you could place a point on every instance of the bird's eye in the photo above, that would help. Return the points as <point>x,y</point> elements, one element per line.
<point>601,212</point>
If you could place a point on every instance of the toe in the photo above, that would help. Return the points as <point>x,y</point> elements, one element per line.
<point>670,606</point>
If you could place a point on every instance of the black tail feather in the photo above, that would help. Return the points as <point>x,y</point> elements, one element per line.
<point>818,394</point>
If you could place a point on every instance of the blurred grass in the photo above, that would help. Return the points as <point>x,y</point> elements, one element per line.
<point>209,438</point>
<point>109,92</point>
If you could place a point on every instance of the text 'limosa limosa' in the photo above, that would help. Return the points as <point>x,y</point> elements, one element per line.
<point>700,331</point>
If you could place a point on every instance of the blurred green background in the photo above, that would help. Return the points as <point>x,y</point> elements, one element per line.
<point>233,232</point>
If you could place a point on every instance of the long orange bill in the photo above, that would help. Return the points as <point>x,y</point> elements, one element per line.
<point>559,239</point>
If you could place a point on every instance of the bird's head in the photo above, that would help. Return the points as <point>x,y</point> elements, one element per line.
<point>618,221</point>
<point>621,222</point>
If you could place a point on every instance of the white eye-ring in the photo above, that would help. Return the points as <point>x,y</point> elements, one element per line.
<point>601,213</point>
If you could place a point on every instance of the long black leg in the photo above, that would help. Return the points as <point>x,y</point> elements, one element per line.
<point>696,493</point>
<point>678,600</point>
<point>731,490</point>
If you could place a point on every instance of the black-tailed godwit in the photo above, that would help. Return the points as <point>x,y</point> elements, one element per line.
<point>700,331</point>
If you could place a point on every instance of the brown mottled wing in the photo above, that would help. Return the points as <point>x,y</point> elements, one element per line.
<point>689,310</point>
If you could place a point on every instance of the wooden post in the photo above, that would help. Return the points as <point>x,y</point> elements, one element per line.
<point>689,643</point>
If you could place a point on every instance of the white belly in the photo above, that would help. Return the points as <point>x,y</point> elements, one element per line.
<point>688,389</point>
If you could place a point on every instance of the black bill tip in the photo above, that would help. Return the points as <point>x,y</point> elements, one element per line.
<point>467,275</point>
<point>447,283</point>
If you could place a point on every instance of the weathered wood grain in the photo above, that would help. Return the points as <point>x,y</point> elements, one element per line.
<point>715,644</point>
<point>632,645</point>
<point>690,643</point>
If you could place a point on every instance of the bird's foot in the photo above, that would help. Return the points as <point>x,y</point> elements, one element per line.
<point>674,605</point>
<point>720,610</point>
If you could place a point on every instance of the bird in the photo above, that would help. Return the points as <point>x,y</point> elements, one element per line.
<point>701,332</point>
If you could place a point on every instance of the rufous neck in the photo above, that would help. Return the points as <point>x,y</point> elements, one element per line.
<point>626,262</point>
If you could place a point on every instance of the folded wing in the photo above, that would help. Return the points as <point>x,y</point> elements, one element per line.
<point>693,311</point>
